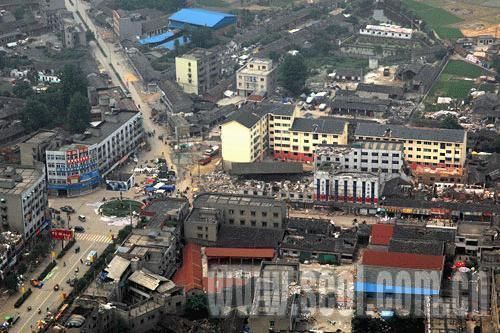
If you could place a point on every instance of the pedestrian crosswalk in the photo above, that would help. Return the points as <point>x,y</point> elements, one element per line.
<point>94,238</point>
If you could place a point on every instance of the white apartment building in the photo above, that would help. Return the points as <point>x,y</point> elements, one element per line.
<point>23,198</point>
<point>257,76</point>
<point>380,158</point>
<point>386,30</point>
<point>78,168</point>
<point>349,187</point>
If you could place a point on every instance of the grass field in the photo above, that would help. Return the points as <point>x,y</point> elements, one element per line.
<point>437,18</point>
<point>462,69</point>
<point>449,86</point>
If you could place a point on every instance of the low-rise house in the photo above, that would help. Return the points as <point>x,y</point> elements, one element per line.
<point>360,106</point>
<point>170,212</point>
<point>379,91</point>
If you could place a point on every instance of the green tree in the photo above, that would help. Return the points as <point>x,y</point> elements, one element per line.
<point>201,37</point>
<point>123,233</point>
<point>72,81</point>
<point>197,307</point>
<point>35,115</point>
<point>292,73</point>
<point>450,122</point>
<point>78,116</point>
<point>23,89</point>
<point>19,12</point>
<point>10,282</point>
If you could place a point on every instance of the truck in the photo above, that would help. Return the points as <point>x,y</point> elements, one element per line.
<point>211,152</point>
<point>91,257</point>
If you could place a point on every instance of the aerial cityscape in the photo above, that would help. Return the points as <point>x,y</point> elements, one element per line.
<point>251,166</point>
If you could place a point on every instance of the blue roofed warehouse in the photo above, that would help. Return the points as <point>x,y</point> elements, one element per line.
<point>201,18</point>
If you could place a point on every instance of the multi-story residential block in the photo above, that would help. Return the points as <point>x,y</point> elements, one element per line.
<point>430,147</point>
<point>77,169</point>
<point>349,187</point>
<point>212,210</point>
<point>382,158</point>
<point>249,132</point>
<point>23,198</point>
<point>299,141</point>
<point>33,149</point>
<point>256,76</point>
<point>131,25</point>
<point>72,170</point>
<point>386,30</point>
<point>198,71</point>
<point>246,135</point>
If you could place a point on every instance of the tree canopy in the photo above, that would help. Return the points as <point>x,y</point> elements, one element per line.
<point>197,307</point>
<point>64,104</point>
<point>292,73</point>
<point>450,122</point>
<point>201,37</point>
<point>78,113</point>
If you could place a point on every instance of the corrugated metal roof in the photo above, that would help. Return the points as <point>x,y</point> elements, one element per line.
<point>402,260</point>
<point>368,287</point>
<point>239,253</point>
<point>381,234</point>
<point>201,17</point>
<point>321,125</point>
<point>117,267</point>
<point>170,45</point>
<point>148,280</point>
<point>156,38</point>
<point>190,275</point>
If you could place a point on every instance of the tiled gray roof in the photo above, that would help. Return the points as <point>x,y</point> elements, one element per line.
<point>239,237</point>
<point>359,103</point>
<point>411,133</point>
<point>249,114</point>
<point>321,125</point>
<point>247,119</point>
<point>378,88</point>
<point>434,248</point>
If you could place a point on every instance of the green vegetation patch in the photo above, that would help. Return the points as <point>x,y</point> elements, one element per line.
<point>120,208</point>
<point>436,18</point>
<point>212,3</point>
<point>462,69</point>
<point>448,86</point>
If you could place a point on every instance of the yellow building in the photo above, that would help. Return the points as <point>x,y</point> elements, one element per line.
<point>197,71</point>
<point>252,130</point>
<point>245,135</point>
<point>431,147</point>
<point>298,142</point>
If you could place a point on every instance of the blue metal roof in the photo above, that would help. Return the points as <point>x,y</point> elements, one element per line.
<point>156,38</point>
<point>386,289</point>
<point>202,17</point>
<point>170,45</point>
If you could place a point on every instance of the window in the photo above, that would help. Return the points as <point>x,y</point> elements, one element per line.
<point>275,214</point>
<point>253,223</point>
<point>252,213</point>
<point>199,235</point>
<point>242,212</point>
<point>231,211</point>
<point>264,224</point>
<point>231,221</point>
<point>242,222</point>
<point>264,214</point>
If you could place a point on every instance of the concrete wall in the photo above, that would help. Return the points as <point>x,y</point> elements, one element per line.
<point>236,142</point>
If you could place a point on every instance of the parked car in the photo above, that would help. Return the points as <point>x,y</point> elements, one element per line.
<point>79,229</point>
<point>67,209</point>
<point>82,218</point>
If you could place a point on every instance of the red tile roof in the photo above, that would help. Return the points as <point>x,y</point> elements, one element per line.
<point>381,234</point>
<point>402,260</point>
<point>190,275</point>
<point>231,252</point>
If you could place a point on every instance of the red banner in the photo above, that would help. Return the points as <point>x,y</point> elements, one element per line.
<point>61,234</point>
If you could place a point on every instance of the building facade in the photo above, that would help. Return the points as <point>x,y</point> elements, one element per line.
<point>430,147</point>
<point>78,168</point>
<point>299,141</point>
<point>72,169</point>
<point>250,131</point>
<point>198,71</point>
<point>386,30</point>
<point>349,187</point>
<point>382,158</point>
<point>256,76</point>
<point>211,210</point>
<point>23,199</point>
